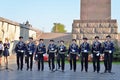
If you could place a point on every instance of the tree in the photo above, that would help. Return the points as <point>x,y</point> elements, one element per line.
<point>59,28</point>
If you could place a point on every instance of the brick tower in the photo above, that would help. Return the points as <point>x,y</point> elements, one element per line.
<point>95,20</point>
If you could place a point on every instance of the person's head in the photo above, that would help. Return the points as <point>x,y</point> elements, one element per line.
<point>73,40</point>
<point>85,39</point>
<point>6,40</point>
<point>21,38</point>
<point>51,41</point>
<point>96,38</point>
<point>30,39</point>
<point>61,42</point>
<point>41,40</point>
<point>0,42</point>
<point>108,38</point>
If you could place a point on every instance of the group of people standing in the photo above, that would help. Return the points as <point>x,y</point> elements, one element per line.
<point>106,49</point>
<point>35,52</point>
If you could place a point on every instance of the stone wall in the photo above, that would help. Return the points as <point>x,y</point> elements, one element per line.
<point>92,28</point>
<point>12,30</point>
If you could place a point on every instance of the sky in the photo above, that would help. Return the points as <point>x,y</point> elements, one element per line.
<point>43,13</point>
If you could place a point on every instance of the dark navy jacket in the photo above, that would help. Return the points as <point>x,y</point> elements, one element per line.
<point>73,48</point>
<point>52,48</point>
<point>84,48</point>
<point>61,48</point>
<point>96,46</point>
<point>30,48</point>
<point>108,46</point>
<point>41,48</point>
<point>20,46</point>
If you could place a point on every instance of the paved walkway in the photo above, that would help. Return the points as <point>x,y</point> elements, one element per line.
<point>13,74</point>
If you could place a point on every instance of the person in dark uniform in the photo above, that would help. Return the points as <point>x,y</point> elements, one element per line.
<point>84,50</point>
<point>29,53</point>
<point>1,52</point>
<point>61,52</point>
<point>72,53</point>
<point>52,49</point>
<point>20,49</point>
<point>41,49</point>
<point>6,52</point>
<point>108,49</point>
<point>96,50</point>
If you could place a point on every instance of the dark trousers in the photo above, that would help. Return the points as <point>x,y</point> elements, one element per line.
<point>58,60</point>
<point>62,61</point>
<point>40,62</point>
<point>108,61</point>
<point>96,62</point>
<point>51,61</point>
<point>84,59</point>
<point>29,61</point>
<point>73,61</point>
<point>20,57</point>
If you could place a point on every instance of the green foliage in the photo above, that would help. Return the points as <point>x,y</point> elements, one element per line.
<point>116,55</point>
<point>59,28</point>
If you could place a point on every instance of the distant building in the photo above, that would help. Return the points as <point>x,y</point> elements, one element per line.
<point>12,30</point>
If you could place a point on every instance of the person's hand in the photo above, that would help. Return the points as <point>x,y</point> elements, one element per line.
<point>55,55</point>
<point>91,55</point>
<point>25,55</point>
<point>67,55</point>
<point>102,55</point>
<point>78,55</point>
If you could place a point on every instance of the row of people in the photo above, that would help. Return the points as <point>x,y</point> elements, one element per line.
<point>30,51</point>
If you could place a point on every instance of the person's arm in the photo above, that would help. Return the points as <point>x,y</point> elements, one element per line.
<point>101,48</point>
<point>16,48</point>
<point>44,49</point>
<point>113,48</point>
<point>89,48</point>
<point>92,49</point>
<point>34,50</point>
<point>25,49</point>
<point>8,46</point>
<point>77,49</point>
<point>48,50</point>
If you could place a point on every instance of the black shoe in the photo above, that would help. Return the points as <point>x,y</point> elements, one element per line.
<point>21,69</point>
<point>81,70</point>
<point>6,67</point>
<point>27,69</point>
<point>30,69</point>
<point>58,67</point>
<point>74,70</point>
<point>97,71</point>
<point>17,68</point>
<point>49,68</point>
<point>62,70</point>
<point>86,70</point>
<point>38,69</point>
<point>105,71</point>
<point>70,68</point>
<point>94,70</point>
<point>109,71</point>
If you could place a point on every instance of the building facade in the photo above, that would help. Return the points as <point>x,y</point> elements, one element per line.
<point>12,30</point>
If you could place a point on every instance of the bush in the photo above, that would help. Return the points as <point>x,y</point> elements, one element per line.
<point>116,54</point>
